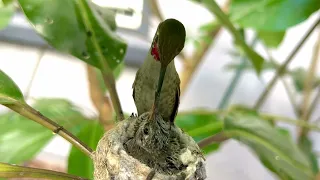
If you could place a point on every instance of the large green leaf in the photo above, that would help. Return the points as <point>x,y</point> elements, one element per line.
<point>21,139</point>
<point>75,27</point>
<point>14,171</point>
<point>253,56</point>
<point>305,145</point>
<point>270,38</point>
<point>78,163</point>
<point>274,148</point>
<point>271,15</point>
<point>9,91</point>
<point>200,125</point>
<point>6,12</point>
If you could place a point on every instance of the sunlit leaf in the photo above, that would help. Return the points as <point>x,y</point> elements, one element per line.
<point>6,13</point>
<point>271,15</point>
<point>270,38</point>
<point>9,91</point>
<point>75,27</point>
<point>78,163</point>
<point>14,171</point>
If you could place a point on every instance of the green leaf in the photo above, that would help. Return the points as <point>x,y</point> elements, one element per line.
<point>298,76</point>
<point>14,171</point>
<point>274,148</point>
<point>6,13</point>
<point>271,15</point>
<point>200,125</point>
<point>306,146</point>
<point>253,56</point>
<point>21,139</point>
<point>9,91</point>
<point>116,74</point>
<point>75,27</point>
<point>270,38</point>
<point>78,163</point>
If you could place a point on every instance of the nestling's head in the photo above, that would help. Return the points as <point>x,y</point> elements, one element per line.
<point>168,41</point>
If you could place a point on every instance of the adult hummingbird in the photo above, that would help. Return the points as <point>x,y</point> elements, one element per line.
<point>158,73</point>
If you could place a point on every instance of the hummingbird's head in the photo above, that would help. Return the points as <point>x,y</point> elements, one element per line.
<point>168,41</point>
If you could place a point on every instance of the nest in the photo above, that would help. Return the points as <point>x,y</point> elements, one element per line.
<point>113,159</point>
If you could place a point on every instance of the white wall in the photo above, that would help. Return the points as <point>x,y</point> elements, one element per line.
<point>64,76</point>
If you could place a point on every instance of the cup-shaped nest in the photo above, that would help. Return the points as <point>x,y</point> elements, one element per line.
<point>113,160</point>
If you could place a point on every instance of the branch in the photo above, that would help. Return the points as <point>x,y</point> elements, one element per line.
<point>283,67</point>
<point>27,111</point>
<point>192,63</point>
<point>217,138</point>
<point>15,171</point>
<point>286,86</point>
<point>41,54</point>
<point>307,91</point>
<point>101,103</point>
<point>314,104</point>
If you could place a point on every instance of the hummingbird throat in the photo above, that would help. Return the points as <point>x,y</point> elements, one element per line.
<point>155,51</point>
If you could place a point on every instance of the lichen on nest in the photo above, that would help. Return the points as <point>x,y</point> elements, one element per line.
<point>136,147</point>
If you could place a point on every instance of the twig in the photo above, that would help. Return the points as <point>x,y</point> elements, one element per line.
<point>101,103</point>
<point>283,67</point>
<point>27,111</point>
<point>300,123</point>
<point>314,104</point>
<point>15,171</point>
<point>217,138</point>
<point>307,91</point>
<point>192,63</point>
<point>40,56</point>
<point>227,95</point>
<point>286,86</point>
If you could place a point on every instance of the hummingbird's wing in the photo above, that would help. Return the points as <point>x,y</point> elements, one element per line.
<point>176,104</point>
<point>133,86</point>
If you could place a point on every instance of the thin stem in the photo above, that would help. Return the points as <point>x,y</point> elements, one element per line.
<point>99,100</point>
<point>307,91</point>
<point>110,83</point>
<point>40,56</point>
<point>15,171</point>
<point>283,67</point>
<point>227,95</point>
<point>30,113</point>
<point>314,104</point>
<point>217,138</point>
<point>300,123</point>
<point>286,86</point>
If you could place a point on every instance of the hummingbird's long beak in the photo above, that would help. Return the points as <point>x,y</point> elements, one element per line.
<point>158,91</point>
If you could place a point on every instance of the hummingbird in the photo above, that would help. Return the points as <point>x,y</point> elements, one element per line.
<point>158,73</point>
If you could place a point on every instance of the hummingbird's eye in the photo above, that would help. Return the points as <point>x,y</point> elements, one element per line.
<point>146,131</point>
